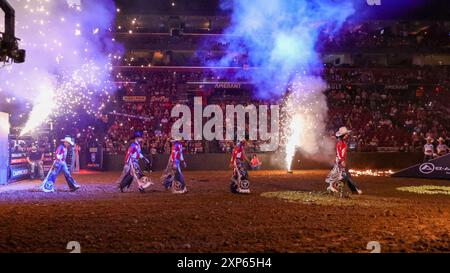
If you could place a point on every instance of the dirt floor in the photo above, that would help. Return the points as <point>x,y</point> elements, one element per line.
<point>284,213</point>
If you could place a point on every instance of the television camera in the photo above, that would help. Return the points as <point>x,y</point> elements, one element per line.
<point>9,46</point>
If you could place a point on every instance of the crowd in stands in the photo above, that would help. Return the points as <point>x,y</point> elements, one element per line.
<point>386,108</point>
<point>388,76</point>
<point>390,118</point>
<point>152,115</point>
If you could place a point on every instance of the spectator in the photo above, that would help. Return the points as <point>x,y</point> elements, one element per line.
<point>255,163</point>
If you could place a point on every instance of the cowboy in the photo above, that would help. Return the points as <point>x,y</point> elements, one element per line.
<point>173,171</point>
<point>239,180</point>
<point>428,149</point>
<point>36,158</point>
<point>340,171</point>
<point>441,148</point>
<point>131,169</point>
<point>60,165</point>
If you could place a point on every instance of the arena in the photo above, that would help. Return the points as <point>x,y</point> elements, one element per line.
<point>223,127</point>
<point>209,219</point>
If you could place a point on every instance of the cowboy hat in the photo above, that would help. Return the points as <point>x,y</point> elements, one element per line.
<point>138,134</point>
<point>429,138</point>
<point>175,139</point>
<point>441,139</point>
<point>68,139</point>
<point>342,131</point>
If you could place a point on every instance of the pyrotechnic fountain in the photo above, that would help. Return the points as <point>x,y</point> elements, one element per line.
<point>280,37</point>
<point>69,50</point>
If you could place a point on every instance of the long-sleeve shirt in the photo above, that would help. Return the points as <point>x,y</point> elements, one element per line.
<point>341,151</point>
<point>133,152</point>
<point>177,153</point>
<point>238,153</point>
<point>61,153</point>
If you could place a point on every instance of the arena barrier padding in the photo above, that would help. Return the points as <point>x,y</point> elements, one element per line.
<point>276,161</point>
<point>438,168</point>
<point>4,151</point>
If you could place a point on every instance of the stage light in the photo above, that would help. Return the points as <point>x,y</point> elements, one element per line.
<point>9,48</point>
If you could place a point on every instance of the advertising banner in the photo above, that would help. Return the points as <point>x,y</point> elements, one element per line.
<point>438,168</point>
<point>95,158</point>
<point>19,167</point>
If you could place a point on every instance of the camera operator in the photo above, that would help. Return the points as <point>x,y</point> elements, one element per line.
<point>36,158</point>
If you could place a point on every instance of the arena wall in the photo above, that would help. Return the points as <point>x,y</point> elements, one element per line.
<point>376,160</point>
<point>4,153</point>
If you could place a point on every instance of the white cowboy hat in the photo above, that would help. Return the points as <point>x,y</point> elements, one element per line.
<point>441,139</point>
<point>342,131</point>
<point>175,139</point>
<point>429,138</point>
<point>68,140</point>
